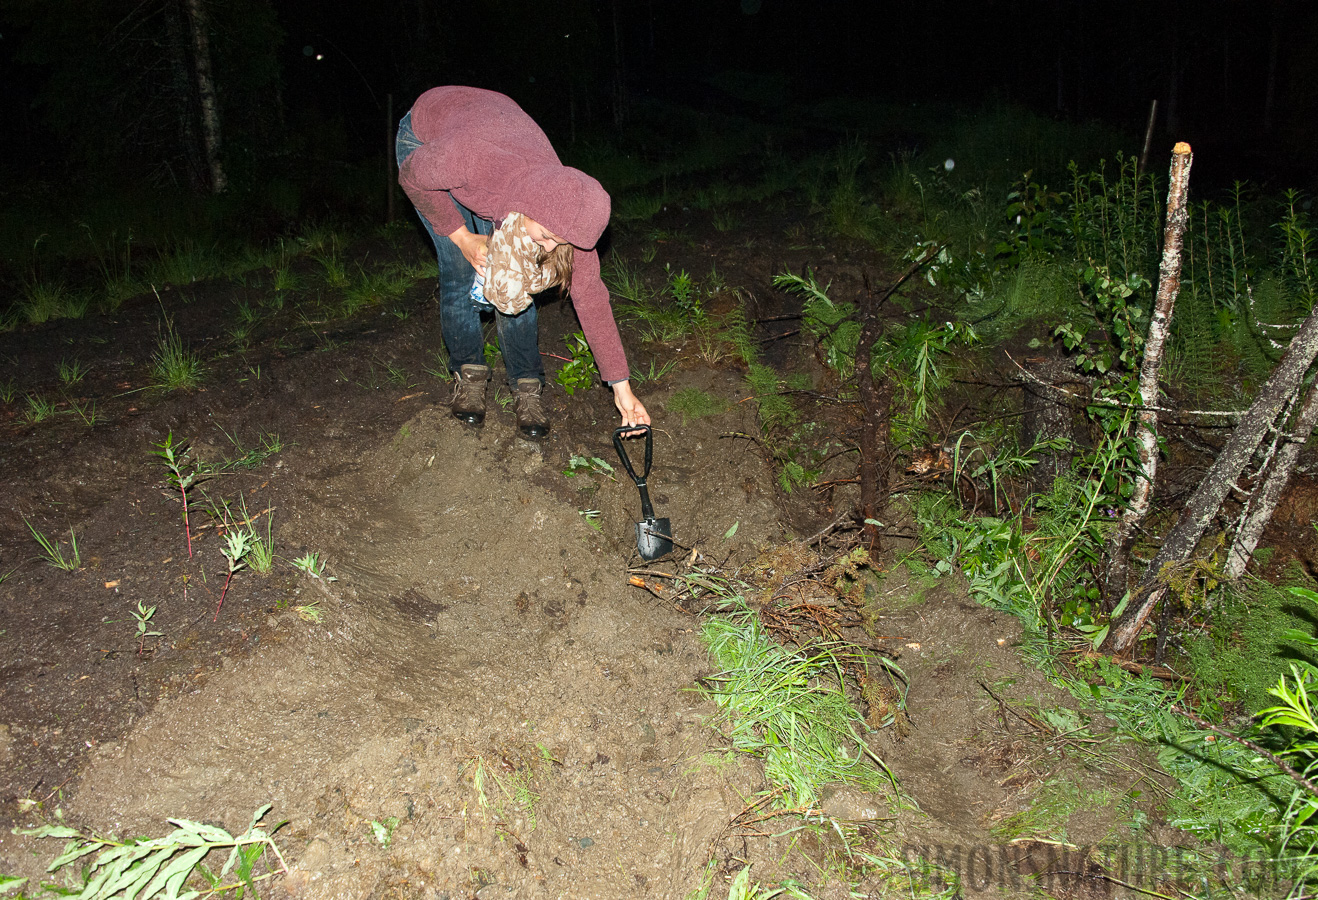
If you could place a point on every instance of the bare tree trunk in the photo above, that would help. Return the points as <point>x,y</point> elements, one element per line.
<point>1047,417</point>
<point>194,166</point>
<point>1146,437</point>
<point>1148,137</point>
<point>1263,503</point>
<point>619,73</point>
<point>210,108</point>
<point>876,426</point>
<point>1281,386</point>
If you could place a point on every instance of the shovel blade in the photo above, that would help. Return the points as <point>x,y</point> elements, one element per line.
<point>654,538</point>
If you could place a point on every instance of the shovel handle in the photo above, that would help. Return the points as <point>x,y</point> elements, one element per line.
<point>627,430</point>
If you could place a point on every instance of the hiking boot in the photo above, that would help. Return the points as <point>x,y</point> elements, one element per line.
<point>530,413</point>
<point>469,393</point>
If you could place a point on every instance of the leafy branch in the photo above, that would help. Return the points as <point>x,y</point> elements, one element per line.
<point>160,867</point>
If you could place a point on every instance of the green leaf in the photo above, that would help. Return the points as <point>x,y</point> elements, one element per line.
<point>731,531</point>
<point>74,850</point>
<point>172,877</point>
<point>202,831</point>
<point>55,831</point>
<point>9,883</point>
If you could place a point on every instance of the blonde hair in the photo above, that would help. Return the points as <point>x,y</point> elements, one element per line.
<point>558,263</point>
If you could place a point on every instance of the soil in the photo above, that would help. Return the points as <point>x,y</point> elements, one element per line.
<point>481,704</point>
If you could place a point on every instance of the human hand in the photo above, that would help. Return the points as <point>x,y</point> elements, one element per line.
<point>633,412</point>
<point>473,246</point>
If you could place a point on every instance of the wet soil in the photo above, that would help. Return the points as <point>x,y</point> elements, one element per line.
<point>480,704</point>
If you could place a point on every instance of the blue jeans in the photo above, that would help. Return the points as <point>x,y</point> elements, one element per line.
<point>459,316</point>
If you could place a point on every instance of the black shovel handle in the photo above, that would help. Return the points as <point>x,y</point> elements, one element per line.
<point>647,510</point>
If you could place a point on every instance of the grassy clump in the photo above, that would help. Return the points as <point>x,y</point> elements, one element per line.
<point>693,403</point>
<point>1245,651</point>
<point>787,707</point>
<point>173,365</point>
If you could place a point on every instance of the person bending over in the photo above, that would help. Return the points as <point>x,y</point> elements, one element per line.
<point>508,220</point>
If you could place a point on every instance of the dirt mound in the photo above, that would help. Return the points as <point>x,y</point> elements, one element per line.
<point>483,676</point>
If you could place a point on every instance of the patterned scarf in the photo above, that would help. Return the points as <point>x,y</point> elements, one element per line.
<point>512,270</point>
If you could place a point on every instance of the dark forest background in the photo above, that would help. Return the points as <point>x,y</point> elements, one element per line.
<point>102,92</point>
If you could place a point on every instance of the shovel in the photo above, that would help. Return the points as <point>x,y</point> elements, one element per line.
<point>654,537</point>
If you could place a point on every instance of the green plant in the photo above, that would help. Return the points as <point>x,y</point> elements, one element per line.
<point>51,552</point>
<point>440,369</point>
<point>184,263</point>
<point>312,564</point>
<point>833,324</point>
<point>39,409</point>
<point>693,403</point>
<point>45,301</point>
<point>269,445</point>
<point>492,354</point>
<point>8,390</point>
<point>775,409</point>
<point>787,706</point>
<point>374,287</point>
<point>624,282</point>
<point>181,474</point>
<point>686,294</point>
<point>587,465</point>
<point>115,267</point>
<point>238,542</point>
<point>1035,224</point>
<point>1113,309</point>
<point>654,372</point>
<point>160,867</point>
<point>383,832</point>
<point>579,372</point>
<point>85,411</point>
<point>143,616</point>
<point>333,269</point>
<point>70,373</point>
<point>173,366</point>
<point>284,280</point>
<point>262,553</point>
<point>1295,718</point>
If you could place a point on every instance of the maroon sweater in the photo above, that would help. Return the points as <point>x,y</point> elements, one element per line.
<point>481,149</point>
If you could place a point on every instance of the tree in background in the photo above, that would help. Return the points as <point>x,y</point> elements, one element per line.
<point>135,90</point>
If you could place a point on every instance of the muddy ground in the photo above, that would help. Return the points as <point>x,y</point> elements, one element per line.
<point>481,705</point>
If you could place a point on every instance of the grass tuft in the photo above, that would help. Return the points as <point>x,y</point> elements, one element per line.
<point>173,366</point>
<point>787,706</point>
<point>51,552</point>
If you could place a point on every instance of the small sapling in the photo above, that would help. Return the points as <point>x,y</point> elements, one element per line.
<point>237,544</point>
<point>143,618</point>
<point>182,475</point>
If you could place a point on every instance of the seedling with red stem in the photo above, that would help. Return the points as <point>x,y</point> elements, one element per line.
<point>175,460</point>
<point>237,544</point>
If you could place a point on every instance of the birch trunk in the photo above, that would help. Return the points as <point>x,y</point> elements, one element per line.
<point>210,108</point>
<point>1146,436</point>
<point>1284,382</point>
<point>176,42</point>
<point>1263,503</point>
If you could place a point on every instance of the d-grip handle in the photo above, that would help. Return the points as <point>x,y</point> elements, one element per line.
<point>647,510</point>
